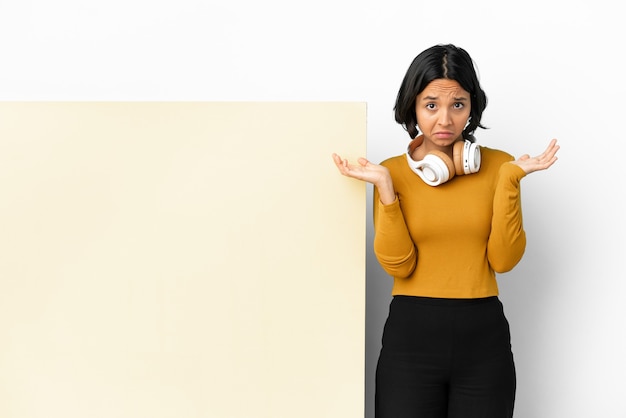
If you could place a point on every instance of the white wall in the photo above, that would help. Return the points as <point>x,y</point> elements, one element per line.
<point>550,69</point>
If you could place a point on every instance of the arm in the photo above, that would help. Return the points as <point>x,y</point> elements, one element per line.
<point>507,240</point>
<point>393,246</point>
<point>392,243</point>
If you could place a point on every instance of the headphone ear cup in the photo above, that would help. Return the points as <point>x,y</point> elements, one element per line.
<point>434,168</point>
<point>466,157</point>
<point>471,157</point>
<point>457,154</point>
<point>446,160</point>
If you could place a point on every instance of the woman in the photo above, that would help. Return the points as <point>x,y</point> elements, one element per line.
<point>447,217</point>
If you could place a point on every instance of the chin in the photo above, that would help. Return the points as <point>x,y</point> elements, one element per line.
<point>447,142</point>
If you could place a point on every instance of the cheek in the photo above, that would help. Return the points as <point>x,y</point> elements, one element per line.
<point>463,117</point>
<point>422,116</point>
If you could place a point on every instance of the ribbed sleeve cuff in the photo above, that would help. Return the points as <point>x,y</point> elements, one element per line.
<point>512,171</point>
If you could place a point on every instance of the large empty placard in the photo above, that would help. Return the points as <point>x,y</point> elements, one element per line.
<point>181,260</point>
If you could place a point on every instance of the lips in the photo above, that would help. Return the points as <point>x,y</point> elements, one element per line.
<point>443,135</point>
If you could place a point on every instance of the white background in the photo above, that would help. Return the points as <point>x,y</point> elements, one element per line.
<point>550,69</point>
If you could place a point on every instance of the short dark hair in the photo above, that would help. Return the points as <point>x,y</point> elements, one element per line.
<point>437,62</point>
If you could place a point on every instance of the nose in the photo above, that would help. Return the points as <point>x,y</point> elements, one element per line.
<point>445,119</point>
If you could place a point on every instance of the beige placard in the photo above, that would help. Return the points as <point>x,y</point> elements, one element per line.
<point>181,259</point>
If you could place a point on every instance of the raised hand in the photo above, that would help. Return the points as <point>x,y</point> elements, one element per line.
<point>364,170</point>
<point>372,173</point>
<point>541,162</point>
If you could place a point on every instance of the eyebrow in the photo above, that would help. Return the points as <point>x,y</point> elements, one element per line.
<point>458,99</point>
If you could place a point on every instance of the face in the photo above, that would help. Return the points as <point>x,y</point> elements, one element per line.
<point>442,111</point>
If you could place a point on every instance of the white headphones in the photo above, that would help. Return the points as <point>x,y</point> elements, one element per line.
<point>436,168</point>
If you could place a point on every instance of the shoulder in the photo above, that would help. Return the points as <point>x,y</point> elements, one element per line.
<point>393,162</point>
<point>398,167</point>
<point>495,161</point>
<point>494,158</point>
<point>495,154</point>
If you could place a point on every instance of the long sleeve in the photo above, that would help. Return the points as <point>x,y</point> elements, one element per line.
<point>393,245</point>
<point>507,240</point>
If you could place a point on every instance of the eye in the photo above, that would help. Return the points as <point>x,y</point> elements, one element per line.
<point>430,106</point>
<point>459,105</point>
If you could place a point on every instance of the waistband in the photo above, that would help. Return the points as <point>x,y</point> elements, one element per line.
<point>423,300</point>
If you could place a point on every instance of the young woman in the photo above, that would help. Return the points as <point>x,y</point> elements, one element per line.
<point>447,217</point>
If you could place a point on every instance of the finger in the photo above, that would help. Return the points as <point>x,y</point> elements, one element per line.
<point>339,162</point>
<point>551,151</point>
<point>350,170</point>
<point>363,161</point>
<point>548,160</point>
<point>552,147</point>
<point>342,164</point>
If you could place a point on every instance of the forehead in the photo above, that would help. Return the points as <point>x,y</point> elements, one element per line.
<point>443,87</point>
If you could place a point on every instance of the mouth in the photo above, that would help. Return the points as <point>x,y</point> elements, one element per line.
<point>443,135</point>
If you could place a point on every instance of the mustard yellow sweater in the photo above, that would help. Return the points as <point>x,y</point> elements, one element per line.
<point>449,241</point>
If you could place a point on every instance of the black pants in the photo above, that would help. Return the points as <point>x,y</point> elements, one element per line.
<point>445,358</point>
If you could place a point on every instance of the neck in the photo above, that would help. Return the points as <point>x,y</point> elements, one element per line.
<point>418,148</point>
